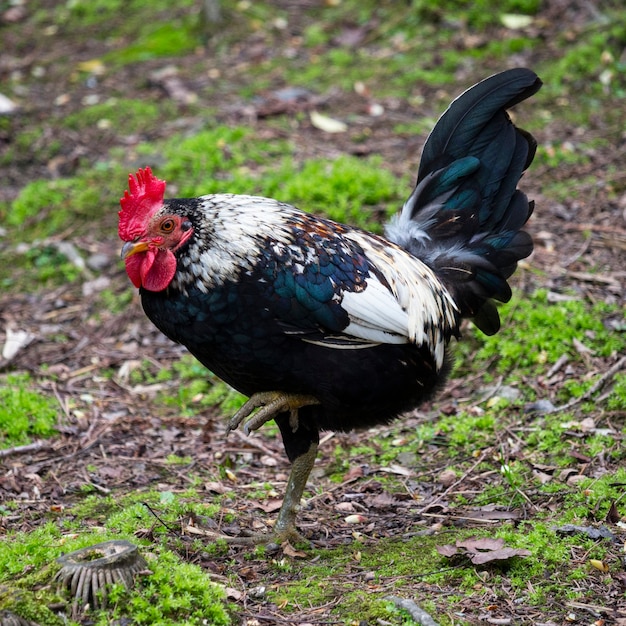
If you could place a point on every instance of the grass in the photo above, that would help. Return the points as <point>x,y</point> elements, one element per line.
<point>211,161</point>
<point>138,117</point>
<point>414,566</point>
<point>412,53</point>
<point>25,413</point>
<point>544,578</point>
<point>528,340</point>
<point>185,592</point>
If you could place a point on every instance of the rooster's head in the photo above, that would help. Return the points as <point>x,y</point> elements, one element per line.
<point>152,234</point>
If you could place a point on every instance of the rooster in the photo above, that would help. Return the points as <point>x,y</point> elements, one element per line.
<point>326,326</point>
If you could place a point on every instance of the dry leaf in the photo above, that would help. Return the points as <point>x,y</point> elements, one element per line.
<point>580,347</point>
<point>447,477</point>
<point>356,471</point>
<point>516,21</point>
<point>216,487</point>
<point>588,425</point>
<point>599,565</point>
<point>15,341</point>
<point>613,514</point>
<point>345,507</point>
<point>447,550</point>
<point>233,594</point>
<point>94,66</point>
<point>383,501</point>
<point>7,105</point>
<point>482,543</point>
<point>489,513</point>
<point>289,550</point>
<point>327,124</point>
<point>269,506</point>
<point>482,550</point>
<point>397,469</point>
<point>503,554</point>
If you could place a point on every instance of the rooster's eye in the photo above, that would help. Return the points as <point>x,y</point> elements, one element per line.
<point>168,225</point>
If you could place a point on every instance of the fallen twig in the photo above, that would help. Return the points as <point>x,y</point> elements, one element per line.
<point>418,615</point>
<point>616,367</point>
<point>561,361</point>
<point>255,443</point>
<point>456,483</point>
<point>29,447</point>
<point>171,529</point>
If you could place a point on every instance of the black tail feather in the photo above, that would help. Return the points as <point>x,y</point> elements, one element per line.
<point>465,216</point>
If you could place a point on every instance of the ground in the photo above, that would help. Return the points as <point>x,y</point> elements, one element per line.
<point>100,90</point>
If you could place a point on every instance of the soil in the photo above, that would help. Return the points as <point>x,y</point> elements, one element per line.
<point>113,441</point>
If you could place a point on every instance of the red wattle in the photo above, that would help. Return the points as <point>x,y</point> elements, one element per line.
<point>152,270</point>
<point>133,268</point>
<point>160,271</point>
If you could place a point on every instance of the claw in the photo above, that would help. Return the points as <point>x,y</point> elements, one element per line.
<point>285,527</point>
<point>270,404</point>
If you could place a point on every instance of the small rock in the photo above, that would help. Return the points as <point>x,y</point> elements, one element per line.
<point>504,391</point>
<point>447,477</point>
<point>14,14</point>
<point>257,592</point>
<point>98,261</point>
<point>541,406</point>
<point>96,285</point>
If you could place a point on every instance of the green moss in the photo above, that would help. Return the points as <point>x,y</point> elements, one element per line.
<point>28,145</point>
<point>184,591</point>
<point>43,209</point>
<point>413,564</point>
<point>24,412</point>
<point>232,160</point>
<point>344,189</point>
<point>468,432</point>
<point>46,206</point>
<point>27,606</point>
<point>536,332</point>
<point>157,40</point>
<point>174,593</point>
<point>115,302</point>
<point>478,14</point>
<point>122,114</point>
<point>215,160</point>
<point>35,199</point>
<point>617,399</point>
<point>596,55</point>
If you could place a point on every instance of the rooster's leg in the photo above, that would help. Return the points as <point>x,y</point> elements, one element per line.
<point>300,438</point>
<point>270,404</point>
<point>285,527</point>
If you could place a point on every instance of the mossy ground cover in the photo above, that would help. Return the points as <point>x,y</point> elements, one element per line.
<point>527,437</point>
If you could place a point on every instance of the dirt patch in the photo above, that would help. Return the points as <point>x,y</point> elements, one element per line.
<point>114,439</point>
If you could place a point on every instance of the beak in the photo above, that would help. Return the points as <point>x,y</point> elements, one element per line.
<point>133,247</point>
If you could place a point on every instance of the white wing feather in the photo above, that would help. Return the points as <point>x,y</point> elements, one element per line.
<point>404,303</point>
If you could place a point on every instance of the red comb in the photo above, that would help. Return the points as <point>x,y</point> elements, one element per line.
<point>144,197</point>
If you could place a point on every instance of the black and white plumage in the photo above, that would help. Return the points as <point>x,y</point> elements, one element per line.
<point>327,326</point>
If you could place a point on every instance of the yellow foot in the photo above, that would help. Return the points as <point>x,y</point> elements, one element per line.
<point>270,404</point>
